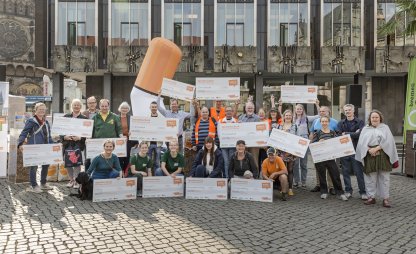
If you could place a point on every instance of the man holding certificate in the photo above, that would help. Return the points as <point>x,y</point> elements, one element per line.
<point>249,117</point>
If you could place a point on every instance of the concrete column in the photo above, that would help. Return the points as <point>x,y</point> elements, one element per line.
<point>57,92</point>
<point>2,72</point>
<point>368,99</point>
<point>309,80</point>
<point>108,80</point>
<point>259,91</point>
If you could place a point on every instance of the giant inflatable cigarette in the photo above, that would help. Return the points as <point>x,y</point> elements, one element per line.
<point>161,60</point>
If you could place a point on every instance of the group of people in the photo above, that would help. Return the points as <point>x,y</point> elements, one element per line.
<point>375,156</point>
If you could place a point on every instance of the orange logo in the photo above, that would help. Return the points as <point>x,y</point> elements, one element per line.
<point>261,142</point>
<point>302,142</point>
<point>56,148</point>
<point>130,182</point>
<point>220,183</point>
<point>311,90</point>
<point>190,88</point>
<point>87,123</point>
<point>119,142</point>
<point>177,180</point>
<point>261,127</point>
<point>344,140</point>
<point>266,185</point>
<point>232,82</point>
<point>177,193</point>
<point>171,123</point>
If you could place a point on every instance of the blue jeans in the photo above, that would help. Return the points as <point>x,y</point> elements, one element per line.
<point>159,172</point>
<point>112,174</point>
<point>226,154</point>
<point>155,150</point>
<point>347,163</point>
<point>300,169</point>
<point>201,171</point>
<point>43,174</point>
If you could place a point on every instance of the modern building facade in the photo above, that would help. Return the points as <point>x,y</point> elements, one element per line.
<point>267,43</point>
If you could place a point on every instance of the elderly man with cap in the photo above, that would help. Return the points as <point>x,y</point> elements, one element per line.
<point>273,168</point>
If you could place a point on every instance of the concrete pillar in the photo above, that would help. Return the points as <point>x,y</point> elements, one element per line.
<point>2,72</point>
<point>259,91</point>
<point>309,81</point>
<point>57,92</point>
<point>107,83</point>
<point>368,98</point>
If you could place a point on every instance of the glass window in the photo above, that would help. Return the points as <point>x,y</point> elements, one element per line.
<point>288,23</point>
<point>386,11</point>
<point>129,23</point>
<point>182,22</point>
<point>235,23</point>
<point>76,23</point>
<point>341,22</point>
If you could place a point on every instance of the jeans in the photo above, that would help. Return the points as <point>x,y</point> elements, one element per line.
<point>300,169</point>
<point>155,151</point>
<point>112,174</point>
<point>333,171</point>
<point>347,163</point>
<point>201,171</point>
<point>43,174</point>
<point>139,181</point>
<point>159,172</point>
<point>226,154</point>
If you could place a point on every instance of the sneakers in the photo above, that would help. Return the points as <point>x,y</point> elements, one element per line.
<point>70,184</point>
<point>343,197</point>
<point>332,191</point>
<point>316,189</point>
<point>284,196</point>
<point>140,193</point>
<point>291,192</point>
<point>295,185</point>
<point>347,194</point>
<point>35,189</point>
<point>324,196</point>
<point>304,185</point>
<point>364,196</point>
<point>45,187</point>
<point>76,185</point>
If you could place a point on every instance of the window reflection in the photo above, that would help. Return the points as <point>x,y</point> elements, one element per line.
<point>235,23</point>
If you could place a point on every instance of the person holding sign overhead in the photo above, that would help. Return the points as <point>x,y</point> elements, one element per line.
<point>273,168</point>
<point>208,162</point>
<point>330,165</point>
<point>37,131</point>
<point>106,165</point>
<point>73,143</point>
<point>173,162</point>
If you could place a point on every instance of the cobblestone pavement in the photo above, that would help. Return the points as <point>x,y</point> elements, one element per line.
<point>53,222</point>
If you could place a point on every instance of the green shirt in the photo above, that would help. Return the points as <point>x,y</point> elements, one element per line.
<point>140,163</point>
<point>172,164</point>
<point>110,128</point>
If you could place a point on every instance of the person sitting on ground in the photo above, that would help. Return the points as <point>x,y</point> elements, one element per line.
<point>208,162</point>
<point>141,165</point>
<point>105,165</point>
<point>173,162</point>
<point>242,163</point>
<point>273,168</point>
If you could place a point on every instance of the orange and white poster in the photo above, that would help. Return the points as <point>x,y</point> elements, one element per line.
<point>163,186</point>
<point>218,88</point>
<point>153,128</point>
<point>206,188</point>
<point>177,90</point>
<point>45,154</point>
<point>299,94</point>
<point>114,189</point>
<point>72,127</point>
<point>332,148</point>
<point>96,147</point>
<point>288,142</point>
<point>255,134</point>
<point>252,190</point>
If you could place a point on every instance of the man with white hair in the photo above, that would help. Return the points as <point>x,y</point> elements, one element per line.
<point>250,117</point>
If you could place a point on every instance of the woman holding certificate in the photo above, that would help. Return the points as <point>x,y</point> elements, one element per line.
<point>376,149</point>
<point>323,134</point>
<point>289,159</point>
<point>208,162</point>
<point>173,162</point>
<point>73,147</point>
<point>106,165</point>
<point>141,165</point>
<point>37,131</point>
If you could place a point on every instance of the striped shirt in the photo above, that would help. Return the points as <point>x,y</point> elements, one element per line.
<point>203,133</point>
<point>320,135</point>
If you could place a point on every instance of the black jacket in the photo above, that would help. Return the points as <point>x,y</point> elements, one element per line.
<point>354,130</point>
<point>70,143</point>
<point>248,164</point>
<point>218,163</point>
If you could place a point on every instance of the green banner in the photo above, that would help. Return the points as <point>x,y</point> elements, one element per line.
<point>410,107</point>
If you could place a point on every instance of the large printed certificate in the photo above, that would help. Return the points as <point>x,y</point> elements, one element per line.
<point>289,143</point>
<point>206,188</point>
<point>332,148</point>
<point>72,127</point>
<point>45,154</point>
<point>153,128</point>
<point>178,90</point>
<point>114,189</point>
<point>253,190</point>
<point>299,94</point>
<point>96,147</point>
<point>218,88</point>
<point>162,186</point>
<point>254,134</point>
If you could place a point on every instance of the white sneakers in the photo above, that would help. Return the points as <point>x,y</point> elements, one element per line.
<point>347,194</point>
<point>35,189</point>
<point>70,184</point>
<point>364,196</point>
<point>46,187</point>
<point>343,197</point>
<point>324,196</point>
<point>76,185</point>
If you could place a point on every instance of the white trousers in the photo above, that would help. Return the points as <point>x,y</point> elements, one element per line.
<point>377,183</point>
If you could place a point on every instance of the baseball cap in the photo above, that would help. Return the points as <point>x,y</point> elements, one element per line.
<point>273,110</point>
<point>271,150</point>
